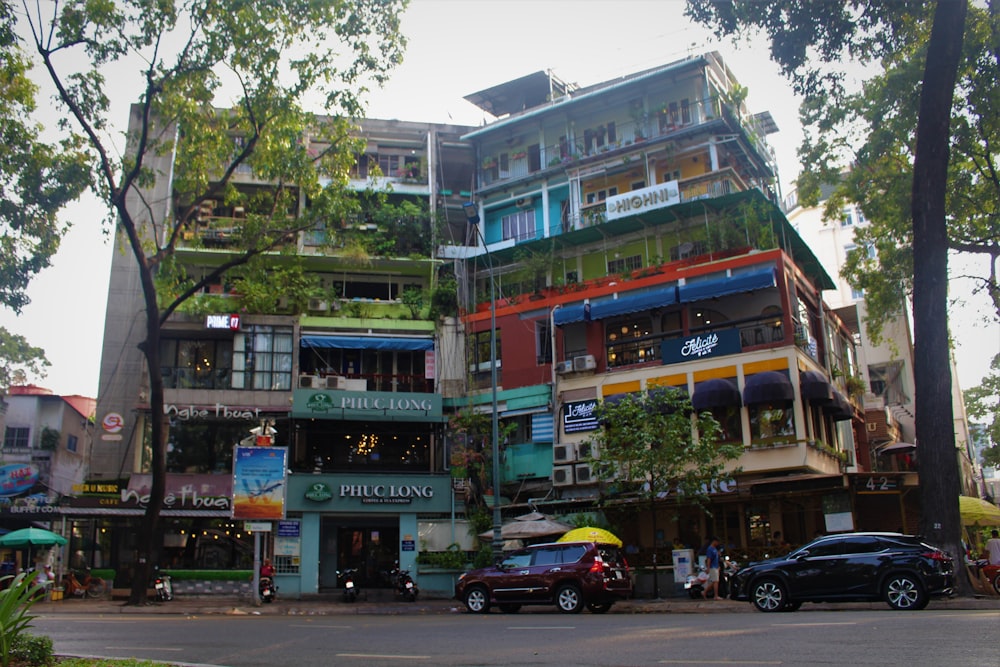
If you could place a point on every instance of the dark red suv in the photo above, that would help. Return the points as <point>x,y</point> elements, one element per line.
<point>570,575</point>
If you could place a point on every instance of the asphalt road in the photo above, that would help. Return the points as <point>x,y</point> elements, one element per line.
<point>539,637</point>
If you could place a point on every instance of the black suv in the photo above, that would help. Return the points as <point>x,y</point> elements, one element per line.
<point>570,575</point>
<point>849,567</point>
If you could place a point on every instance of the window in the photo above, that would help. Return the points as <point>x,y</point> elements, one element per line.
<point>543,342</point>
<point>685,111</point>
<point>262,358</point>
<point>637,185</point>
<point>630,341</point>
<point>71,443</point>
<point>519,226</point>
<point>624,264</point>
<point>848,219</point>
<point>771,421</point>
<point>481,352</point>
<point>598,196</point>
<point>15,436</point>
<point>730,423</point>
<point>196,363</point>
<point>887,381</point>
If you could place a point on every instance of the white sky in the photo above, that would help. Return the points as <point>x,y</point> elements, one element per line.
<point>457,47</point>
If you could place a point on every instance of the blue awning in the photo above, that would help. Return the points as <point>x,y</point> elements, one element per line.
<point>634,303</point>
<point>569,314</point>
<point>737,284</point>
<point>623,305</point>
<point>367,343</point>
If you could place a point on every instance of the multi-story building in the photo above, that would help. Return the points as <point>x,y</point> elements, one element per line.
<point>45,453</point>
<point>885,369</point>
<point>629,239</point>
<point>631,231</point>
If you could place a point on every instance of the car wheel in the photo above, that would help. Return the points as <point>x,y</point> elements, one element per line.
<point>903,591</point>
<point>599,608</point>
<point>477,600</point>
<point>768,595</point>
<point>996,584</point>
<point>568,599</point>
<point>510,608</point>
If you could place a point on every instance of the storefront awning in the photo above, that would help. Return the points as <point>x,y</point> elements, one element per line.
<point>768,387</point>
<point>839,408</point>
<point>368,343</point>
<point>623,305</point>
<point>896,447</point>
<point>737,284</point>
<point>815,387</point>
<point>715,393</point>
<point>570,314</point>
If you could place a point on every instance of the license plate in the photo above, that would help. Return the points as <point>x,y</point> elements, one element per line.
<point>349,584</point>
<point>409,584</point>
<point>618,575</point>
<point>159,586</point>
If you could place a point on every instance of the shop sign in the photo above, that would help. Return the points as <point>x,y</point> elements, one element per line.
<point>346,404</point>
<point>876,484</point>
<point>319,492</point>
<point>230,322</point>
<point>257,526</point>
<point>217,411</point>
<point>643,200</point>
<point>289,528</point>
<point>386,494</point>
<point>579,416</point>
<point>259,481</point>
<point>702,346</point>
<point>113,422</point>
<point>17,478</point>
<point>198,492</point>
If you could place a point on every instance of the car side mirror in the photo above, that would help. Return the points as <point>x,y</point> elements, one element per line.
<point>801,555</point>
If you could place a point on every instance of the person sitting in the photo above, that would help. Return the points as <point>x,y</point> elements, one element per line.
<point>266,569</point>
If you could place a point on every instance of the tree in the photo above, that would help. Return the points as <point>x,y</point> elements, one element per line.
<point>981,404</point>
<point>654,447</point>
<point>268,60</point>
<point>807,36</point>
<point>37,179</point>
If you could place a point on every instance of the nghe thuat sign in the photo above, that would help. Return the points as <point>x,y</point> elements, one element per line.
<point>387,494</point>
<point>230,322</point>
<point>701,346</point>
<point>643,200</point>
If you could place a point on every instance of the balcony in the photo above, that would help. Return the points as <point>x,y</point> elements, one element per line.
<point>803,455</point>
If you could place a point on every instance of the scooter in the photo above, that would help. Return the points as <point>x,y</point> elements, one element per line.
<point>351,590</point>
<point>164,587</point>
<point>403,583</point>
<point>267,589</point>
<point>696,582</point>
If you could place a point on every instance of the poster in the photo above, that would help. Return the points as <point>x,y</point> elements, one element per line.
<point>259,482</point>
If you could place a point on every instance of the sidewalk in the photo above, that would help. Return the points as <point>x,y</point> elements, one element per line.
<point>333,605</point>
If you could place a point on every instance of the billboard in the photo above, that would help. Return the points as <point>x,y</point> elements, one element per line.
<point>259,482</point>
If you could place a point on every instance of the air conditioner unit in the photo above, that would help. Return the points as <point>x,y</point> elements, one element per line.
<point>318,305</point>
<point>585,474</point>
<point>335,382</point>
<point>586,450</point>
<point>562,475</point>
<point>564,367</point>
<point>584,362</point>
<point>564,452</point>
<point>524,202</point>
<point>309,382</point>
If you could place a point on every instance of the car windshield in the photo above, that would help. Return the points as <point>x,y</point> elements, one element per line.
<point>518,559</point>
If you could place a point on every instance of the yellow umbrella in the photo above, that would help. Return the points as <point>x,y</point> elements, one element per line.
<point>591,534</point>
<point>976,511</point>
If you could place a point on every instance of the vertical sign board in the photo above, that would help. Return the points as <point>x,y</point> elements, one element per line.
<point>259,482</point>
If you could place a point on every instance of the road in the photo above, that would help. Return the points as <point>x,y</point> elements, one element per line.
<point>847,637</point>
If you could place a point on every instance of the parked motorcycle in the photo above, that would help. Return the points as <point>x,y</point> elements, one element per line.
<point>696,582</point>
<point>351,589</point>
<point>403,584</point>
<point>163,586</point>
<point>267,589</point>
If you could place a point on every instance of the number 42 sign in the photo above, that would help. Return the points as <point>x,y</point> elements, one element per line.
<point>876,484</point>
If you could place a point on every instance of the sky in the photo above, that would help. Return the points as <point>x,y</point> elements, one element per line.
<point>458,47</point>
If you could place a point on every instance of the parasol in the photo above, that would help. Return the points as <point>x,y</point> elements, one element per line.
<point>974,511</point>
<point>591,534</point>
<point>527,527</point>
<point>31,537</point>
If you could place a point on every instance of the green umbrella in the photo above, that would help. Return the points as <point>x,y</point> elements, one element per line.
<point>31,537</point>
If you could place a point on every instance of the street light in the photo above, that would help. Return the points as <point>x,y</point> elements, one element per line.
<point>472,215</point>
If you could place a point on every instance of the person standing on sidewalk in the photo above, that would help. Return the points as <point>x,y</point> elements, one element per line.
<point>712,563</point>
<point>993,548</point>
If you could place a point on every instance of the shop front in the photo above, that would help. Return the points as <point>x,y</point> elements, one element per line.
<point>351,520</point>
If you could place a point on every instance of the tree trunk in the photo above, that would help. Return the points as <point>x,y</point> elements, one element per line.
<point>939,471</point>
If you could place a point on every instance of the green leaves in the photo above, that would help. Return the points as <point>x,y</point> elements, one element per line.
<point>15,602</point>
<point>654,444</point>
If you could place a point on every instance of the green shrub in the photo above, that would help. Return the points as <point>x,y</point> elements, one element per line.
<point>15,602</point>
<point>210,575</point>
<point>452,559</point>
<point>32,650</point>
